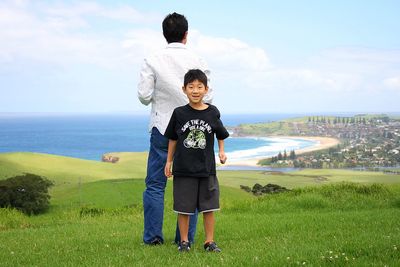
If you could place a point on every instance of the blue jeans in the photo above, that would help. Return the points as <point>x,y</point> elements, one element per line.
<point>153,196</point>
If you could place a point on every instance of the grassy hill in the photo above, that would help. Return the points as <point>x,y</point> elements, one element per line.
<point>99,220</point>
<point>64,169</point>
<point>292,126</point>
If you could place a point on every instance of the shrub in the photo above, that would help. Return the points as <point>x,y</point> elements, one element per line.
<point>91,212</point>
<point>27,193</point>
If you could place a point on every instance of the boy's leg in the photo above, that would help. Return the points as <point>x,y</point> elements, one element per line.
<point>153,196</point>
<point>192,229</point>
<point>183,222</point>
<point>185,191</point>
<point>208,203</point>
<point>209,223</point>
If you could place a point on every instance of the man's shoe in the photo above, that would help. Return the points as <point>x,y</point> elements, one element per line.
<point>184,246</point>
<point>211,247</point>
<point>156,241</point>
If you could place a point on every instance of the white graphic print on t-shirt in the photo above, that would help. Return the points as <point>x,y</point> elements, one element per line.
<point>196,137</point>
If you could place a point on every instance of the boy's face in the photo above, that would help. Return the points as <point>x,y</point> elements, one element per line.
<point>195,91</point>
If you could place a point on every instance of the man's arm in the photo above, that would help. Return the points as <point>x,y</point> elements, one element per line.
<point>146,84</point>
<point>208,98</point>
<point>170,157</point>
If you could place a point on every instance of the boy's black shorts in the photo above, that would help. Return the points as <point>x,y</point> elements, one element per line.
<point>196,192</point>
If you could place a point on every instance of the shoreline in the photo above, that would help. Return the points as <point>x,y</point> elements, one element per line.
<point>322,143</point>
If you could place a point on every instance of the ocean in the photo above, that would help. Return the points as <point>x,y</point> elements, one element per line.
<point>90,136</point>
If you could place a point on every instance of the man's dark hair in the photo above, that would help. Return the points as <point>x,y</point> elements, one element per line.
<point>174,27</point>
<point>193,75</point>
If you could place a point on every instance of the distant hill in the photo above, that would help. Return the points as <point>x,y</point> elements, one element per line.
<point>299,126</point>
<point>64,169</point>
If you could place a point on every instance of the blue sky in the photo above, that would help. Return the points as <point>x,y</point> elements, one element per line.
<point>265,56</point>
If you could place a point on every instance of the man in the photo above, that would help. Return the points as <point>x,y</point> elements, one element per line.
<point>161,79</point>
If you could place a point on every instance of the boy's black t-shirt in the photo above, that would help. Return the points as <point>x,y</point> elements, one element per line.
<point>194,131</point>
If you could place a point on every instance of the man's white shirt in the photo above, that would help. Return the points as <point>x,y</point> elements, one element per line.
<point>161,81</point>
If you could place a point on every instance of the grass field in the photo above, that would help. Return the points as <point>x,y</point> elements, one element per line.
<point>96,218</point>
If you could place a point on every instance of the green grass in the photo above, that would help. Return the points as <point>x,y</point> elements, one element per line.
<point>66,169</point>
<point>306,177</point>
<point>265,129</point>
<point>306,225</point>
<point>319,223</point>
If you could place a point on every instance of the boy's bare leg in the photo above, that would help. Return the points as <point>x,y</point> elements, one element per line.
<point>183,222</point>
<point>209,223</point>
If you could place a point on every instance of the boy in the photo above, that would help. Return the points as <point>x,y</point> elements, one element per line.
<point>191,132</point>
<point>160,85</point>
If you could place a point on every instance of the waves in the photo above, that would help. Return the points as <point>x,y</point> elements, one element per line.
<point>271,147</point>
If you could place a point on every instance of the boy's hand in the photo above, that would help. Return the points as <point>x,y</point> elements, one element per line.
<point>222,157</point>
<point>167,169</point>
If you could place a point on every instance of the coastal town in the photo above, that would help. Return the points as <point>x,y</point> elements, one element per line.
<point>366,141</point>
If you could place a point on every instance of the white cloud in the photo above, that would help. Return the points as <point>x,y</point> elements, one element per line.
<point>93,9</point>
<point>68,36</point>
<point>64,35</point>
<point>393,82</point>
<point>76,10</point>
<point>338,79</point>
<point>139,43</point>
<point>229,54</point>
<point>340,70</point>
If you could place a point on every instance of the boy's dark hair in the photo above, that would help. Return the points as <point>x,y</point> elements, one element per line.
<point>174,27</point>
<point>193,75</point>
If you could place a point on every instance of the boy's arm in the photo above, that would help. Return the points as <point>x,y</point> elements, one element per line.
<point>170,157</point>
<point>221,153</point>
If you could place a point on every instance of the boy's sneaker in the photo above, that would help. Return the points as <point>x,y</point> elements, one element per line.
<point>184,246</point>
<point>211,247</point>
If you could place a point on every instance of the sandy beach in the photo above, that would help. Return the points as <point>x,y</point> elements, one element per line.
<point>321,143</point>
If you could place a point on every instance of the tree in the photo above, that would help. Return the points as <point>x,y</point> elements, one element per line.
<point>292,155</point>
<point>27,193</point>
<point>279,156</point>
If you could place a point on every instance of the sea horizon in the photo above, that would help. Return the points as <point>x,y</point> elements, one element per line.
<point>90,136</point>
<point>146,113</point>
